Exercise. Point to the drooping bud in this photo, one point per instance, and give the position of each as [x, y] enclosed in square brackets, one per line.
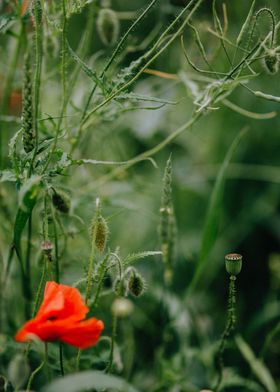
[136, 284]
[61, 201]
[233, 263]
[100, 231]
[122, 307]
[28, 134]
[108, 26]
[271, 61]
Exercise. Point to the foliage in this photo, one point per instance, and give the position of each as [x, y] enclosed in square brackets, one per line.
[139, 144]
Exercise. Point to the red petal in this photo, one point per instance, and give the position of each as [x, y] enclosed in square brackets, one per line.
[61, 301]
[83, 334]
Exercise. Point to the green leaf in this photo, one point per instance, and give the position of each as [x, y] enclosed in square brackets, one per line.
[93, 76]
[257, 366]
[88, 380]
[27, 200]
[210, 229]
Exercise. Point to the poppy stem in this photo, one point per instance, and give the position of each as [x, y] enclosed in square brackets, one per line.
[61, 359]
[38, 369]
[230, 324]
[114, 333]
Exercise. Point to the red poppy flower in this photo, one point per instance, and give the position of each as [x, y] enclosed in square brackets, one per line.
[62, 317]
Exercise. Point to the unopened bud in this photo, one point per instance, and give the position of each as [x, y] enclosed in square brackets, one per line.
[122, 307]
[233, 263]
[61, 201]
[108, 26]
[136, 284]
[271, 61]
[100, 231]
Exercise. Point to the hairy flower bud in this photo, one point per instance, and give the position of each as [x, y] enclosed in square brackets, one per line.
[271, 61]
[108, 26]
[136, 284]
[28, 134]
[233, 263]
[100, 230]
[61, 201]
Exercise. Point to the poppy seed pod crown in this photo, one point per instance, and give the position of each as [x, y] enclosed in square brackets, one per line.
[233, 263]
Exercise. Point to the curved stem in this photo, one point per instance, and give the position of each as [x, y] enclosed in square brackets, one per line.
[37, 370]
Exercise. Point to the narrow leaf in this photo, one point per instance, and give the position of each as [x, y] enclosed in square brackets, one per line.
[212, 219]
[85, 68]
[257, 366]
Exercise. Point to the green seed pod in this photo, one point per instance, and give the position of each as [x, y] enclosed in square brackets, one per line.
[136, 284]
[271, 61]
[108, 26]
[36, 11]
[100, 231]
[233, 263]
[120, 287]
[28, 134]
[61, 201]
[18, 371]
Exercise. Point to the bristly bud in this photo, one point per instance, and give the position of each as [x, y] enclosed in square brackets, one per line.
[99, 230]
[271, 61]
[122, 307]
[61, 201]
[108, 26]
[47, 248]
[28, 134]
[136, 284]
[233, 263]
[120, 287]
[36, 11]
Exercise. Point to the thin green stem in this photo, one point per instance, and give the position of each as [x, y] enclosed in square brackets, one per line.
[56, 249]
[230, 324]
[90, 267]
[37, 370]
[63, 82]
[9, 82]
[158, 51]
[113, 338]
[28, 265]
[37, 77]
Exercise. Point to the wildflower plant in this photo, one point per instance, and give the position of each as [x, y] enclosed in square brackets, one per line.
[107, 91]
